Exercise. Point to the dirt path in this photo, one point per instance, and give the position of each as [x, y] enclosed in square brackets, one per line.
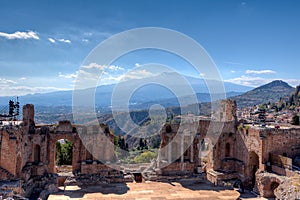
[146, 191]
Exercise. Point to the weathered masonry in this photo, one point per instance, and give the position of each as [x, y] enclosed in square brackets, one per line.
[252, 156]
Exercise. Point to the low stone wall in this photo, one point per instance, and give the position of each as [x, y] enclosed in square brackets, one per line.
[282, 171]
[232, 165]
[267, 183]
[178, 168]
[281, 161]
[218, 178]
[96, 168]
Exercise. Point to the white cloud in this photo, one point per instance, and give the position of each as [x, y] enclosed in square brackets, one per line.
[137, 74]
[132, 75]
[9, 90]
[51, 40]
[249, 81]
[232, 71]
[12, 88]
[137, 65]
[292, 82]
[64, 40]
[68, 76]
[94, 66]
[115, 68]
[258, 81]
[85, 40]
[23, 78]
[89, 75]
[267, 71]
[6, 81]
[20, 35]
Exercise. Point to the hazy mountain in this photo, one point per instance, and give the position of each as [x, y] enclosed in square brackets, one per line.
[149, 92]
[270, 92]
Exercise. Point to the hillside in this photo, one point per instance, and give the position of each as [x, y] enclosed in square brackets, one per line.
[270, 92]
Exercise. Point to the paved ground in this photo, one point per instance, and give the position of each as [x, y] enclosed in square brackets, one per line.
[147, 191]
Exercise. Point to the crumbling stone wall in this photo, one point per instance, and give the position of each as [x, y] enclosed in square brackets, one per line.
[179, 144]
[8, 152]
[28, 151]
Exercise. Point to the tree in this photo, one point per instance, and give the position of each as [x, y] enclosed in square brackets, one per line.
[67, 149]
[11, 108]
[59, 157]
[145, 157]
[64, 153]
[295, 120]
[141, 143]
[121, 143]
[116, 141]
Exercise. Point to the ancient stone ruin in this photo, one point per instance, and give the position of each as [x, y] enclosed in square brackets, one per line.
[252, 157]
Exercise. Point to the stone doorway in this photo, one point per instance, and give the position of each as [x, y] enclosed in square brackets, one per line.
[63, 156]
[253, 166]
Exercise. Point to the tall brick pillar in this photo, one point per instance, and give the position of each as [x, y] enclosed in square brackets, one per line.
[28, 114]
[227, 110]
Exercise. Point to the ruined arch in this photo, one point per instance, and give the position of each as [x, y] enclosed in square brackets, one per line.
[36, 154]
[253, 166]
[267, 185]
[273, 187]
[168, 128]
[74, 139]
[227, 150]
[174, 152]
[88, 154]
[187, 152]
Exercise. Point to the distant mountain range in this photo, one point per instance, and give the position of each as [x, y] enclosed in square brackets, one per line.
[146, 94]
[55, 106]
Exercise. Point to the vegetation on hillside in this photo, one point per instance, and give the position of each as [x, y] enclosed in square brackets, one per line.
[271, 92]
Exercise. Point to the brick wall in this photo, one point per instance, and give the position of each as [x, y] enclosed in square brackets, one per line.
[8, 153]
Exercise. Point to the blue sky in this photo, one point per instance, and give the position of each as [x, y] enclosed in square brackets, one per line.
[43, 43]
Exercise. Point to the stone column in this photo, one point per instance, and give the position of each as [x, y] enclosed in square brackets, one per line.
[28, 114]
[192, 149]
[158, 159]
[199, 152]
[182, 148]
[169, 150]
[199, 168]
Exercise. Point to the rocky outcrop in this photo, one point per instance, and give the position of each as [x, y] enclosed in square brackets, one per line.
[267, 184]
[289, 189]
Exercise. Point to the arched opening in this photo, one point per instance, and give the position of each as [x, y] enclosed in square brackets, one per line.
[253, 166]
[284, 154]
[273, 186]
[37, 154]
[186, 154]
[174, 152]
[89, 155]
[19, 166]
[227, 150]
[168, 128]
[63, 156]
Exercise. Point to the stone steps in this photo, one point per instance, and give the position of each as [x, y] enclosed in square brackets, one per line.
[8, 175]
